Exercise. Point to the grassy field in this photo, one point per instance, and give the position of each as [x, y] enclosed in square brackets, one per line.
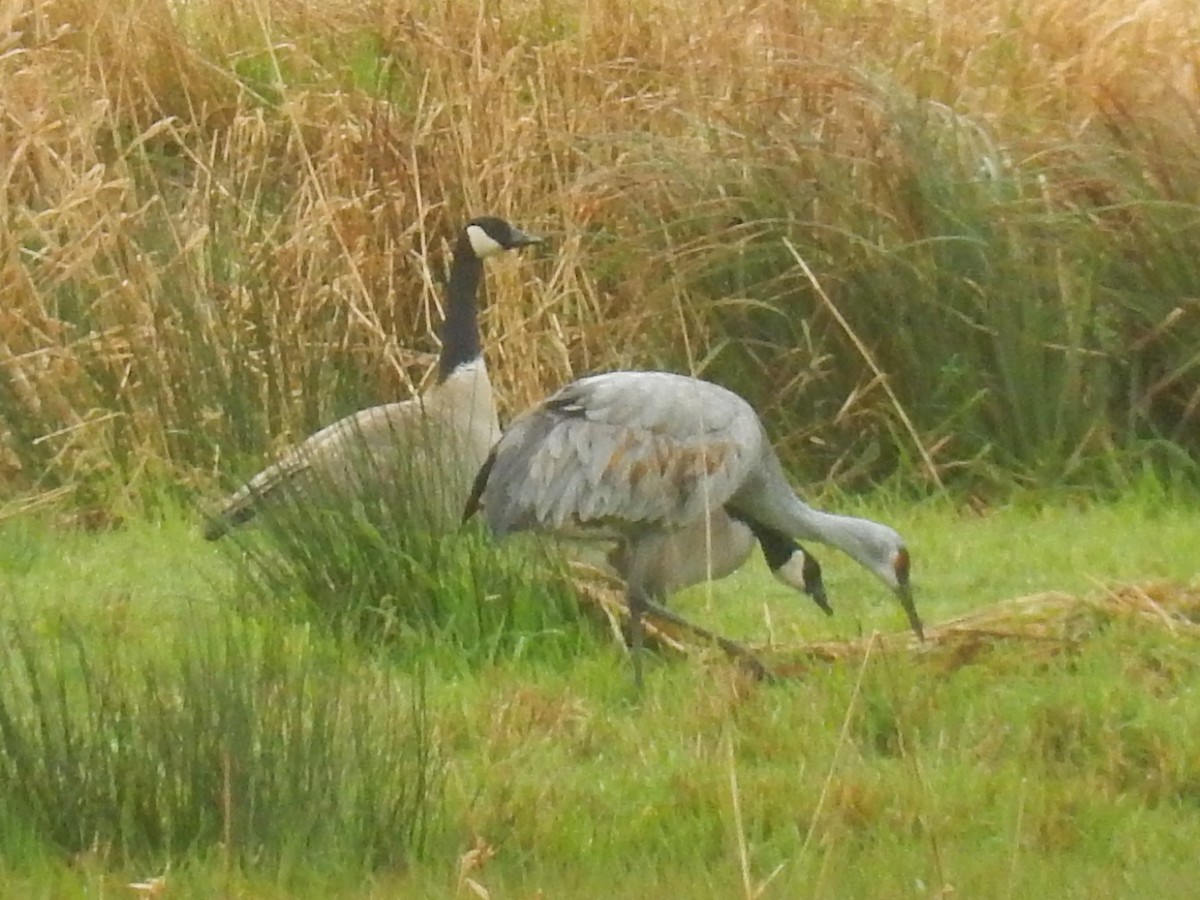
[946, 249]
[1016, 771]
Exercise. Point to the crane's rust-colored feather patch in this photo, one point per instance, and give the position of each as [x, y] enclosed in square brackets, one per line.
[715, 457]
[616, 459]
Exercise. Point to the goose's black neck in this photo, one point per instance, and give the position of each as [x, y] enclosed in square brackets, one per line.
[460, 330]
[777, 548]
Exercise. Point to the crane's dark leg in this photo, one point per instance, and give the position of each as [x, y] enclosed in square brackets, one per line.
[733, 648]
[639, 554]
[637, 606]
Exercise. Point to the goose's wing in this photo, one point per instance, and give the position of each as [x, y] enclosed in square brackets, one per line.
[329, 450]
[619, 450]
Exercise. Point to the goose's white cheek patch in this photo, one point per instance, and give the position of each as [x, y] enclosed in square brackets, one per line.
[482, 243]
[791, 572]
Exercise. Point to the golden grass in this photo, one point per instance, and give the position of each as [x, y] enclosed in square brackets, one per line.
[288, 172]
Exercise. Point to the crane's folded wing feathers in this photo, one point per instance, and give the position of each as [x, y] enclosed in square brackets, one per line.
[622, 448]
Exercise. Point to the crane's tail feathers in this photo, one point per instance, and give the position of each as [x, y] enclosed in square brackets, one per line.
[242, 506]
[475, 500]
[506, 487]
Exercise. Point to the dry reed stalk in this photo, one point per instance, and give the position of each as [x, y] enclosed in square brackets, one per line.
[234, 160]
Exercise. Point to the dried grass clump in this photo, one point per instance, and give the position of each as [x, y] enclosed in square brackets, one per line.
[1036, 627]
[222, 224]
[1033, 628]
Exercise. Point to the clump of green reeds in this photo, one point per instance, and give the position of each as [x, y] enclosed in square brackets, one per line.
[231, 739]
[938, 308]
[382, 557]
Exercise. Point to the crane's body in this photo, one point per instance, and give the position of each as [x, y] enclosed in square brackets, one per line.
[715, 547]
[432, 444]
[643, 456]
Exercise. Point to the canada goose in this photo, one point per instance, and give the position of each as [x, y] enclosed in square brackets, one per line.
[638, 455]
[718, 545]
[451, 426]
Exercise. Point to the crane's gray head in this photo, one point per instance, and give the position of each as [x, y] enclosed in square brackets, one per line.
[489, 235]
[880, 549]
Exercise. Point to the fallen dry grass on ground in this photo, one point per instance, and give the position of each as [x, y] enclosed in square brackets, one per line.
[1040, 626]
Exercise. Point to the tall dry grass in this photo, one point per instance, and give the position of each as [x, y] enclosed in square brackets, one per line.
[224, 224]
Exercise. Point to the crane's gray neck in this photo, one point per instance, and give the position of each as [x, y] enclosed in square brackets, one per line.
[777, 507]
[460, 330]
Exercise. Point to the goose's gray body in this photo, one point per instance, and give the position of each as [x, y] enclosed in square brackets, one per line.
[433, 443]
[643, 457]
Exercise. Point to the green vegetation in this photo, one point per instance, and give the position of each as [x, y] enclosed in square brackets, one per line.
[948, 249]
[154, 717]
[373, 571]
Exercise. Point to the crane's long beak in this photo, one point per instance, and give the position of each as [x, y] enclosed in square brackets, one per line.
[900, 567]
[904, 592]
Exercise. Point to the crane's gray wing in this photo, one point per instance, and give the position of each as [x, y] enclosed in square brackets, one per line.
[618, 450]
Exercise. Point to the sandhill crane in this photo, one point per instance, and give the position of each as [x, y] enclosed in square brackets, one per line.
[638, 455]
[436, 441]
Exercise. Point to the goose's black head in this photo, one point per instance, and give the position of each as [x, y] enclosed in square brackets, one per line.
[489, 235]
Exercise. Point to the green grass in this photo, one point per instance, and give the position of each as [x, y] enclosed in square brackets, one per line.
[1021, 774]
[143, 718]
[377, 571]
